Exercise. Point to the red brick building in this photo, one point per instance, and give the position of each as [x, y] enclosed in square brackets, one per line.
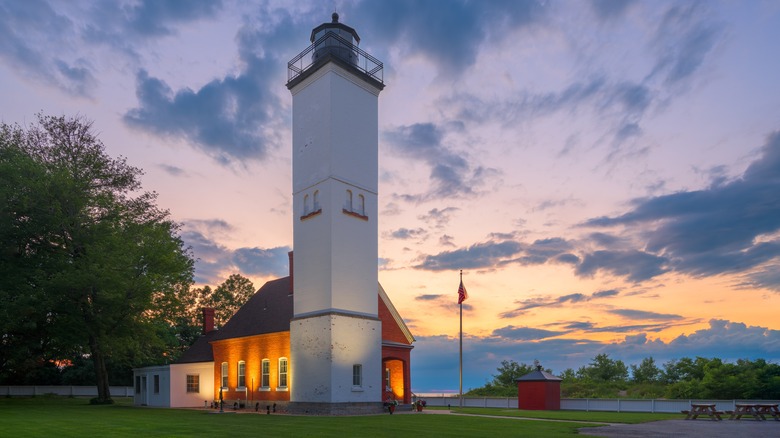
[251, 353]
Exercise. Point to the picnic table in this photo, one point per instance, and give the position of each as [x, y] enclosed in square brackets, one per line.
[756, 410]
[707, 409]
[770, 409]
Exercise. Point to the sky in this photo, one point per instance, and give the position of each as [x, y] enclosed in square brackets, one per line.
[606, 173]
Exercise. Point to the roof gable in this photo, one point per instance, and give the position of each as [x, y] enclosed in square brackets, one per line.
[268, 311]
[393, 327]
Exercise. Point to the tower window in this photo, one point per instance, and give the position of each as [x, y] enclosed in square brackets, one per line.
[311, 205]
[357, 208]
[348, 205]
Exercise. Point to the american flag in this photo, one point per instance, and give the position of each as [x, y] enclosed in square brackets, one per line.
[462, 294]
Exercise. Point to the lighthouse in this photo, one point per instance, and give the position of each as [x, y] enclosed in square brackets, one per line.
[335, 332]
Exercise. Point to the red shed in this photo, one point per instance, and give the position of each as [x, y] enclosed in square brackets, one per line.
[539, 390]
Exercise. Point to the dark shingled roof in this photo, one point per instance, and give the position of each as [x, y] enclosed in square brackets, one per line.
[538, 376]
[268, 311]
[200, 351]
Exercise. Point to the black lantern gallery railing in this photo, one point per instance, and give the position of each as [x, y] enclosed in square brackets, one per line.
[334, 45]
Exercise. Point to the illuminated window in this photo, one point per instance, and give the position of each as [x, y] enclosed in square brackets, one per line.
[357, 375]
[156, 384]
[282, 373]
[387, 379]
[193, 383]
[361, 207]
[224, 375]
[241, 374]
[265, 377]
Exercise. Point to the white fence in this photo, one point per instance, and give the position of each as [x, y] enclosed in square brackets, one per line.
[593, 404]
[70, 391]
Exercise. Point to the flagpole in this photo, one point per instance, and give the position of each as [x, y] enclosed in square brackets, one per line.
[460, 387]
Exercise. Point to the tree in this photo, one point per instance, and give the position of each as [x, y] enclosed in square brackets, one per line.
[87, 255]
[646, 372]
[228, 297]
[604, 369]
[504, 384]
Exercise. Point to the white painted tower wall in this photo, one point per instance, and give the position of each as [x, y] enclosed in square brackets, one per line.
[335, 323]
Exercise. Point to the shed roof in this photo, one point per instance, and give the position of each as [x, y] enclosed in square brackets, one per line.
[538, 376]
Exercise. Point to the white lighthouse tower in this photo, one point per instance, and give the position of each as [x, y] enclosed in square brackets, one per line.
[335, 333]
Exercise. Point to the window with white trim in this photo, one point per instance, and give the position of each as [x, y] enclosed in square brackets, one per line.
[241, 374]
[282, 373]
[265, 374]
[357, 375]
[193, 382]
[224, 375]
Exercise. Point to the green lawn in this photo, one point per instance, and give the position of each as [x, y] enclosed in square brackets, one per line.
[65, 417]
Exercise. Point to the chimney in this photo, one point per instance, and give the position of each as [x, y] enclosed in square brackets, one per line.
[208, 319]
[290, 255]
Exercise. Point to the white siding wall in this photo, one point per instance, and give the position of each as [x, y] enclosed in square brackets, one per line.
[179, 396]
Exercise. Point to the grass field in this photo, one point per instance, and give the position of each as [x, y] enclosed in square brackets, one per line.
[74, 417]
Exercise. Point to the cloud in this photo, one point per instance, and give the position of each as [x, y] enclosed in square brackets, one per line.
[683, 39]
[606, 293]
[406, 233]
[38, 41]
[610, 9]
[451, 175]
[635, 266]
[154, 17]
[482, 255]
[642, 314]
[172, 170]
[214, 262]
[524, 333]
[550, 301]
[429, 297]
[232, 119]
[729, 227]
[438, 218]
[446, 240]
[454, 38]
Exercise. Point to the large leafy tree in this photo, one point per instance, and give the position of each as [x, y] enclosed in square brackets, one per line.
[89, 262]
[228, 297]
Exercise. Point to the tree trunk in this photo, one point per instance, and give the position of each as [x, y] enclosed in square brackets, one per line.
[101, 374]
